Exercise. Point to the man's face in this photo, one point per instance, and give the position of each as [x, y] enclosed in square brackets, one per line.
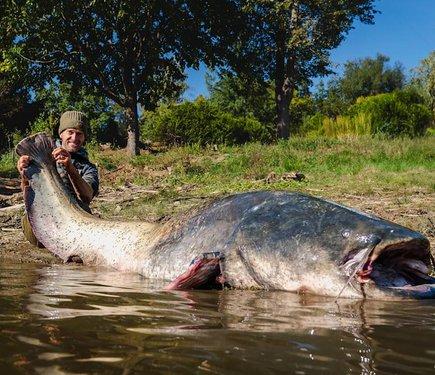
[72, 139]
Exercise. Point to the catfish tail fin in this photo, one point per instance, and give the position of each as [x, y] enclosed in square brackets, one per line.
[39, 147]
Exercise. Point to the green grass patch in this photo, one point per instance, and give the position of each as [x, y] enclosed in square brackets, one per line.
[354, 165]
[8, 165]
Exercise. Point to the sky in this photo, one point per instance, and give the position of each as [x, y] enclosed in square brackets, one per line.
[404, 30]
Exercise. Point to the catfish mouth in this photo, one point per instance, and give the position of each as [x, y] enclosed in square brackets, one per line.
[396, 266]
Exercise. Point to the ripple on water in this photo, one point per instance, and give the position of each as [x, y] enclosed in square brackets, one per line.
[64, 319]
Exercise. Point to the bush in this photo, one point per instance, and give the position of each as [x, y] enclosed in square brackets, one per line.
[300, 108]
[394, 114]
[200, 122]
[346, 125]
[401, 113]
[47, 125]
[312, 126]
[320, 125]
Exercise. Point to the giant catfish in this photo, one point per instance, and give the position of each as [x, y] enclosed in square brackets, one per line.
[263, 240]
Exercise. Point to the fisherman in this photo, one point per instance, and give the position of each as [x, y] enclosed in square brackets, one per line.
[79, 175]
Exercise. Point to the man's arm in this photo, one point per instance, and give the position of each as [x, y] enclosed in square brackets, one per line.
[83, 190]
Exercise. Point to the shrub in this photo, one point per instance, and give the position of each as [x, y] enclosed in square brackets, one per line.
[200, 122]
[394, 114]
[47, 125]
[312, 125]
[360, 124]
[300, 108]
[401, 113]
[8, 162]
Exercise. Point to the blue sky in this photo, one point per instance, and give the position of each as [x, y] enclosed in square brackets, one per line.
[403, 31]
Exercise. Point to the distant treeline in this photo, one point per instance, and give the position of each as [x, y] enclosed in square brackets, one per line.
[370, 97]
[135, 53]
[123, 62]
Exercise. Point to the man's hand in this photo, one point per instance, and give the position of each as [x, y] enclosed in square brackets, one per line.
[22, 163]
[81, 187]
[62, 157]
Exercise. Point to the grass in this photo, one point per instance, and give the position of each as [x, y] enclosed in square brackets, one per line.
[8, 162]
[356, 165]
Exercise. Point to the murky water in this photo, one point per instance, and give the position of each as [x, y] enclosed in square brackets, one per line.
[65, 319]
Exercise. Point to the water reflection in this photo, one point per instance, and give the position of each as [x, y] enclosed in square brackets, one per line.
[81, 320]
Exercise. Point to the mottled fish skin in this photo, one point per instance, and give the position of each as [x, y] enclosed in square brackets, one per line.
[67, 230]
[269, 240]
[285, 241]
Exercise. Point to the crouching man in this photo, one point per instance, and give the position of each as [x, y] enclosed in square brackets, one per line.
[79, 175]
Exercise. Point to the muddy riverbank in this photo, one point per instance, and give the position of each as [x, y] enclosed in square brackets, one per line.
[414, 210]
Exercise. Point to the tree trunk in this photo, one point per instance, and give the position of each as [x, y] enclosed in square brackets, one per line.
[283, 88]
[285, 72]
[283, 97]
[131, 118]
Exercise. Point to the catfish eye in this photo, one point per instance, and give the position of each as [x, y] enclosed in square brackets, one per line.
[345, 233]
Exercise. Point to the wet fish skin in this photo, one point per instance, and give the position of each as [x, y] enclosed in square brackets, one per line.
[287, 241]
[270, 240]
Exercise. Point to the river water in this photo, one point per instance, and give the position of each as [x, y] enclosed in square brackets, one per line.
[79, 320]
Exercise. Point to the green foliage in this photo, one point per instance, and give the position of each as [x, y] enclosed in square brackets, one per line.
[241, 96]
[132, 52]
[101, 112]
[47, 125]
[367, 77]
[200, 122]
[8, 162]
[395, 114]
[289, 42]
[361, 77]
[16, 109]
[312, 126]
[423, 80]
[347, 125]
[341, 126]
[300, 108]
[248, 98]
[401, 113]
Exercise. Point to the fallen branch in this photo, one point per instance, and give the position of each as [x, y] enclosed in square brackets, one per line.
[10, 229]
[12, 208]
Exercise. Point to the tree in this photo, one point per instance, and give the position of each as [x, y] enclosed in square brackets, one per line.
[290, 40]
[241, 96]
[134, 52]
[200, 122]
[17, 109]
[101, 112]
[424, 80]
[365, 77]
[401, 112]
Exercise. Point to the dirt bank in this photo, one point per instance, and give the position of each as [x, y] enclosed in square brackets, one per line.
[414, 210]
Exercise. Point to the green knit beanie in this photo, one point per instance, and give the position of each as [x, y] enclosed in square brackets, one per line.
[74, 120]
